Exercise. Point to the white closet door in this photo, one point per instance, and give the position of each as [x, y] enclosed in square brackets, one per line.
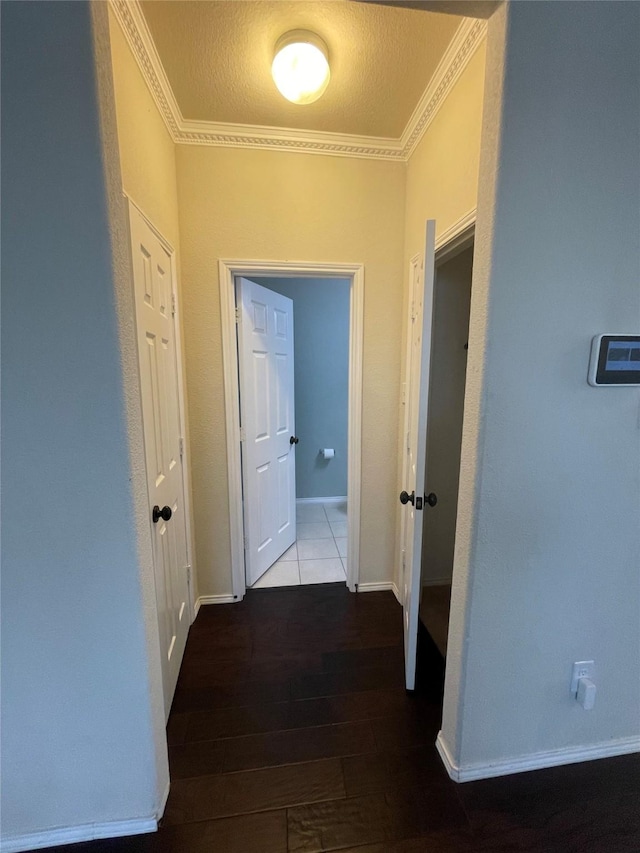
[154, 298]
[413, 496]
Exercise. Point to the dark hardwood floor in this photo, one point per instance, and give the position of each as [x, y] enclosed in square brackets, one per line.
[291, 731]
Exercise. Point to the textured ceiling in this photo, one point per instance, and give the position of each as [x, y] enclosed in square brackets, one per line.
[217, 56]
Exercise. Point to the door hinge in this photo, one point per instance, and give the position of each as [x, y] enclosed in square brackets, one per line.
[238, 315]
[189, 575]
[243, 435]
[181, 446]
[173, 304]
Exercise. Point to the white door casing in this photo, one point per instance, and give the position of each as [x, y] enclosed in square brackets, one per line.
[228, 271]
[157, 357]
[417, 396]
[265, 354]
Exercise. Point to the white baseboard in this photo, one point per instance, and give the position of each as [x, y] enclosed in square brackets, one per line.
[379, 586]
[333, 500]
[73, 834]
[535, 761]
[215, 599]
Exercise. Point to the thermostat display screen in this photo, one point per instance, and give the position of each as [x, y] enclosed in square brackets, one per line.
[615, 360]
[623, 355]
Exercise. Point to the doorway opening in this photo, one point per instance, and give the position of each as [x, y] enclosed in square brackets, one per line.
[339, 516]
[309, 405]
[449, 348]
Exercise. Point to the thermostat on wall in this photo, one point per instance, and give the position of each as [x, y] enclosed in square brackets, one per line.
[615, 360]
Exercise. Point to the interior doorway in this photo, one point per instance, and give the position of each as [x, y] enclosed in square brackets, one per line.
[449, 348]
[293, 366]
[229, 272]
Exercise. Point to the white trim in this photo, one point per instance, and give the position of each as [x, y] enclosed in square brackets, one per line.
[380, 586]
[461, 230]
[466, 40]
[73, 834]
[289, 139]
[534, 761]
[192, 574]
[354, 441]
[133, 24]
[182, 409]
[214, 599]
[227, 272]
[334, 500]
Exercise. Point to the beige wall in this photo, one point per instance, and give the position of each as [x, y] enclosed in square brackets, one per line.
[147, 163]
[442, 180]
[147, 152]
[216, 202]
[442, 174]
[284, 206]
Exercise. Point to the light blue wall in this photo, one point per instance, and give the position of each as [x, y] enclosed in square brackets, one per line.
[549, 550]
[321, 346]
[77, 744]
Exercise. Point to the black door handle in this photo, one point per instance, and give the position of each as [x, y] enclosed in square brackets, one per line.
[431, 499]
[164, 514]
[406, 498]
[294, 439]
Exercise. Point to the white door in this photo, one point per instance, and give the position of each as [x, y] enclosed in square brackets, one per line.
[155, 301]
[265, 353]
[416, 400]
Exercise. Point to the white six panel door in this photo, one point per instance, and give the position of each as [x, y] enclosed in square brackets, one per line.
[265, 348]
[154, 297]
[417, 383]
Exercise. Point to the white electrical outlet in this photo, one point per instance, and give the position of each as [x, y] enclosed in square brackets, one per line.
[581, 669]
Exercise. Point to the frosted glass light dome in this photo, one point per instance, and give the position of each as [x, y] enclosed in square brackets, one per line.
[300, 67]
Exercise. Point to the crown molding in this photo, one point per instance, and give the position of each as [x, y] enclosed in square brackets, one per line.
[288, 139]
[134, 26]
[467, 39]
[464, 44]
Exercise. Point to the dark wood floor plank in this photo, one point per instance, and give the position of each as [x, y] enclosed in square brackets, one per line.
[302, 713]
[195, 759]
[377, 818]
[177, 728]
[291, 730]
[334, 683]
[265, 832]
[354, 659]
[413, 727]
[388, 771]
[236, 695]
[255, 790]
[291, 747]
[445, 841]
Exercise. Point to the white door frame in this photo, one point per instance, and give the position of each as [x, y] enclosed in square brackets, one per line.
[186, 470]
[457, 237]
[228, 270]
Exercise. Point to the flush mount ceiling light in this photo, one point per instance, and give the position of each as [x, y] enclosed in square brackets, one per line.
[300, 66]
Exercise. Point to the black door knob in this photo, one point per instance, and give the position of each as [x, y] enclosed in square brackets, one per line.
[406, 498]
[293, 440]
[431, 499]
[164, 513]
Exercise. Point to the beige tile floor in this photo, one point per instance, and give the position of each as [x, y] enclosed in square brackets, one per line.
[319, 555]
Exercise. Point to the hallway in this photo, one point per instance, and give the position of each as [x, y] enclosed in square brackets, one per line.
[291, 731]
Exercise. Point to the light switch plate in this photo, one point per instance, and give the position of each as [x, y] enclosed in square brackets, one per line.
[581, 669]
